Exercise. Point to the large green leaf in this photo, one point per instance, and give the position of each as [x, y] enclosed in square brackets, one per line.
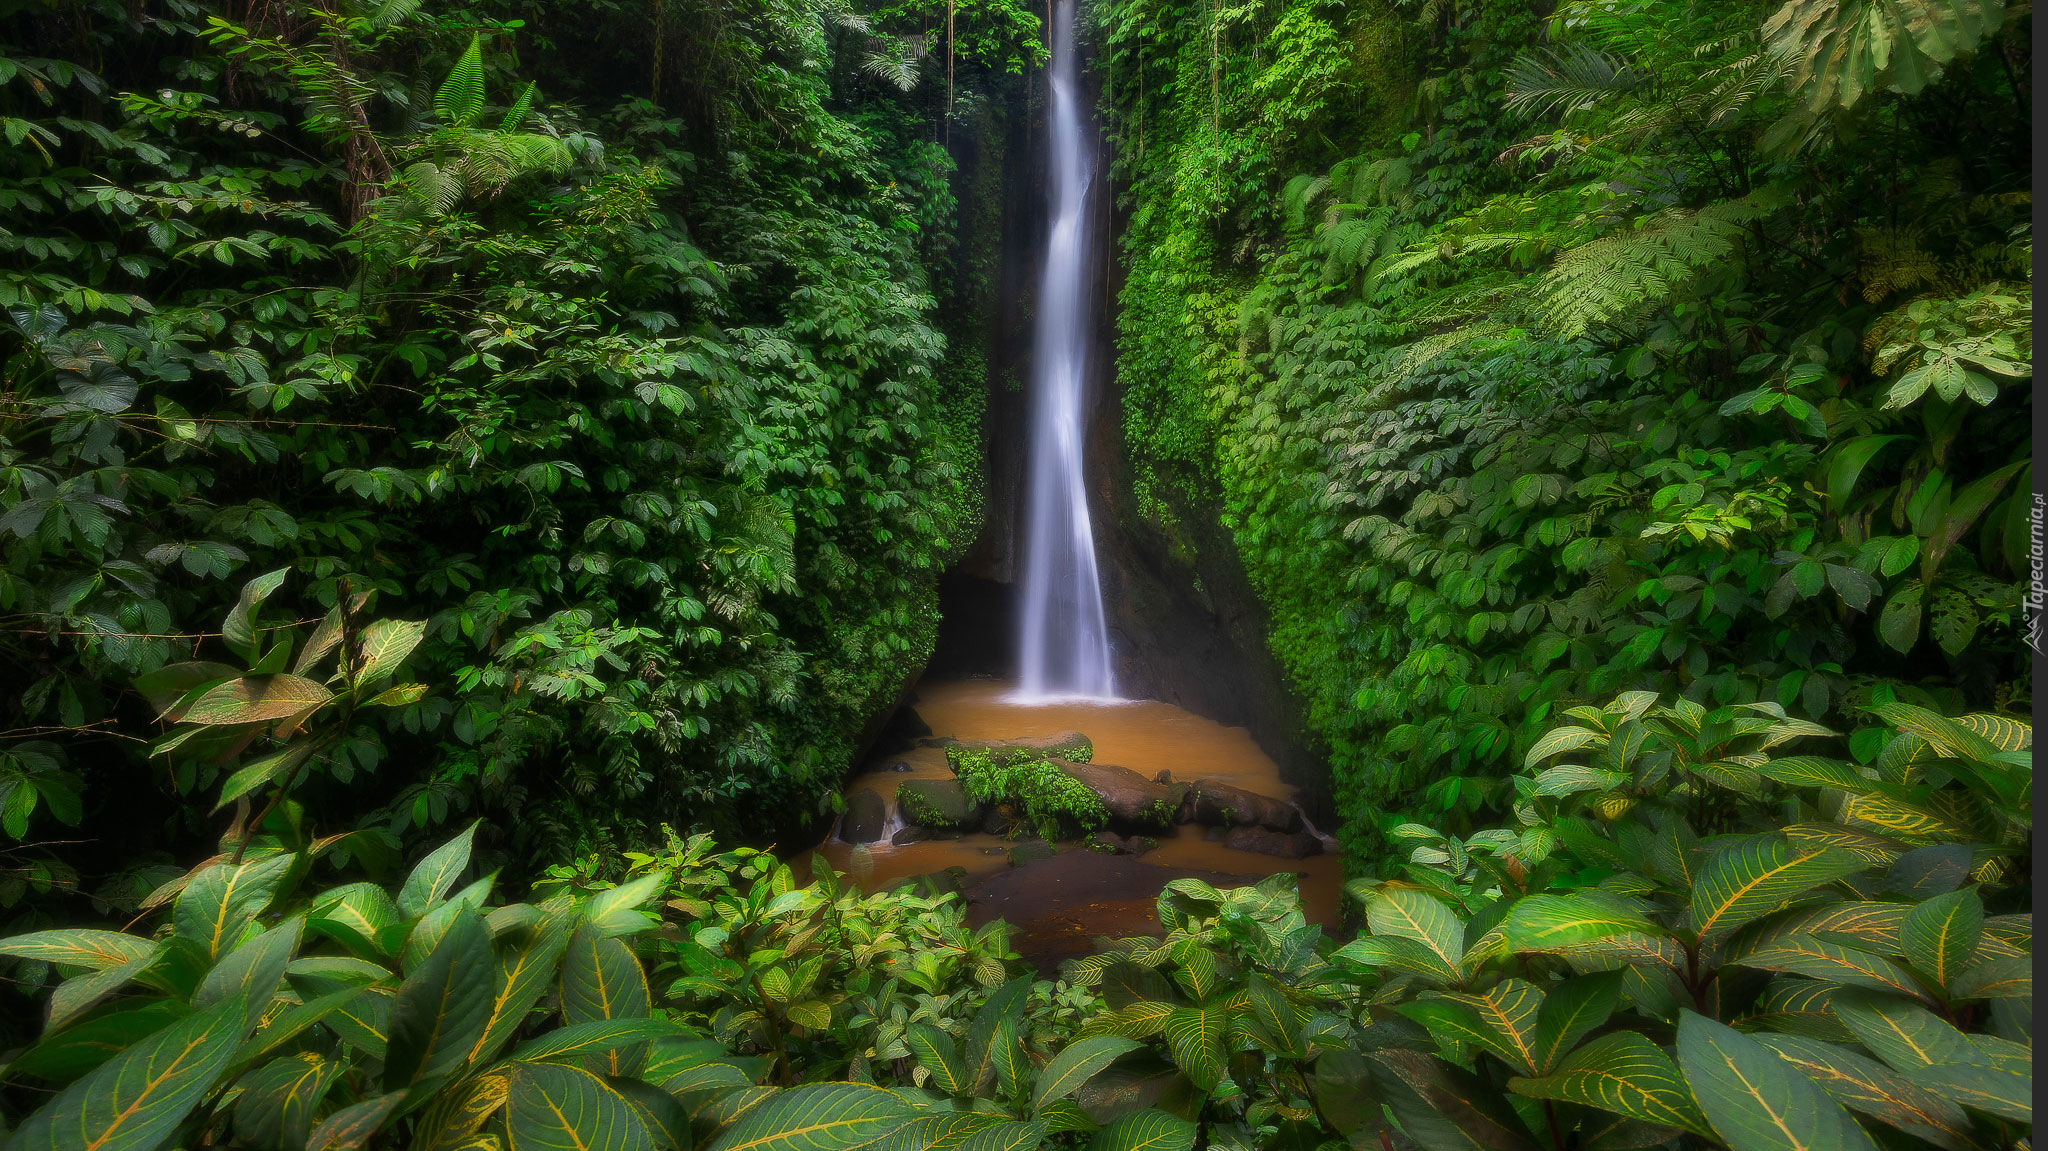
[275, 1108]
[222, 899]
[820, 1117]
[1624, 1073]
[1566, 922]
[1444, 1108]
[1073, 1066]
[523, 971]
[571, 1043]
[442, 1007]
[436, 874]
[1146, 1130]
[460, 99]
[1411, 913]
[79, 947]
[1507, 1011]
[1998, 1091]
[1870, 1088]
[601, 979]
[940, 1132]
[557, 1108]
[383, 646]
[1406, 955]
[252, 971]
[1940, 935]
[135, 1100]
[1762, 875]
[936, 1054]
[357, 915]
[99, 1035]
[2009, 977]
[1570, 1012]
[1806, 955]
[79, 994]
[1194, 1035]
[1753, 1101]
[459, 1111]
[353, 1126]
[257, 699]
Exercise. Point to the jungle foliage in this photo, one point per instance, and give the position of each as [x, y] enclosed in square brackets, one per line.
[1703, 928]
[1535, 353]
[586, 358]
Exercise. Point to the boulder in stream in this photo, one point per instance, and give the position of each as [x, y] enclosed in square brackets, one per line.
[1031, 849]
[1132, 799]
[1068, 745]
[1220, 804]
[936, 803]
[867, 815]
[1282, 844]
[1110, 843]
[910, 835]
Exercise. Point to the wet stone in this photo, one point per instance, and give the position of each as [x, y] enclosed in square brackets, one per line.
[1280, 844]
[1031, 849]
[867, 815]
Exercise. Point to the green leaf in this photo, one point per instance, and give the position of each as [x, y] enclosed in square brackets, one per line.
[1905, 1035]
[1444, 1108]
[257, 699]
[263, 772]
[1956, 520]
[63, 1055]
[460, 1110]
[81, 993]
[1626, 1074]
[1761, 875]
[571, 1043]
[523, 971]
[238, 631]
[135, 1100]
[1940, 935]
[1194, 1036]
[1374, 951]
[1507, 1014]
[601, 979]
[1848, 463]
[2007, 977]
[1870, 1088]
[1076, 1064]
[435, 874]
[78, 947]
[460, 98]
[1995, 1091]
[820, 1117]
[1561, 922]
[252, 971]
[935, 1053]
[275, 1108]
[442, 1007]
[357, 914]
[352, 1126]
[557, 1108]
[1753, 1103]
[382, 647]
[219, 903]
[1570, 1012]
[940, 1132]
[1810, 956]
[1147, 1130]
[1410, 913]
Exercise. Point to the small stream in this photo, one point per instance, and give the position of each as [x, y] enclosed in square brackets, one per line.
[1058, 905]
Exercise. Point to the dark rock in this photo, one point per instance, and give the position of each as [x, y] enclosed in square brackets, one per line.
[1282, 844]
[867, 814]
[1029, 850]
[899, 766]
[1132, 800]
[1140, 844]
[936, 803]
[1068, 745]
[903, 729]
[911, 835]
[1108, 843]
[1164, 776]
[995, 821]
[1219, 804]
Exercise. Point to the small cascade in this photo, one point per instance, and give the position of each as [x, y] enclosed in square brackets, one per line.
[1065, 637]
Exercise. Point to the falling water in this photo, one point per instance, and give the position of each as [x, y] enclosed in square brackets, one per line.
[1065, 641]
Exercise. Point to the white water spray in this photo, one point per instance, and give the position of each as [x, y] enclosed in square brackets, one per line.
[1065, 640]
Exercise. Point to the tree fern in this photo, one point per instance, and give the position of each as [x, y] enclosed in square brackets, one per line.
[1633, 272]
[1567, 79]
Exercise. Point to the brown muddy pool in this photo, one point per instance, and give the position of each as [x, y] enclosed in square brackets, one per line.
[1057, 906]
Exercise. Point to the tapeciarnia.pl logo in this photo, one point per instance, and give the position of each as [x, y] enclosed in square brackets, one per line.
[2037, 584]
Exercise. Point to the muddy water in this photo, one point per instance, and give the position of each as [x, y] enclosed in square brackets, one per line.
[1058, 905]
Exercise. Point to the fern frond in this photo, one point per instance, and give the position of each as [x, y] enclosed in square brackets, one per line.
[1634, 272]
[1838, 51]
[1568, 79]
[1296, 198]
[897, 64]
[461, 96]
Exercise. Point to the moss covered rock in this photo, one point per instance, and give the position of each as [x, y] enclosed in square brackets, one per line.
[867, 814]
[1071, 746]
[937, 803]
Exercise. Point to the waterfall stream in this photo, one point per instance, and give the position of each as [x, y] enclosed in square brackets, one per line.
[1065, 639]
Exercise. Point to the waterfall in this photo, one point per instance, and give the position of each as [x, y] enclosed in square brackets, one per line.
[1065, 640]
